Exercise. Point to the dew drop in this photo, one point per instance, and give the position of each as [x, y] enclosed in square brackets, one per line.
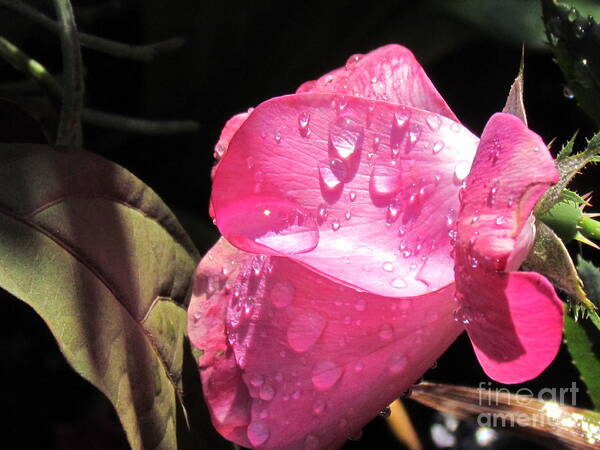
[266, 392]
[386, 332]
[325, 375]
[348, 215]
[397, 363]
[438, 146]
[463, 314]
[318, 407]
[360, 305]
[282, 294]
[434, 122]
[500, 220]
[277, 136]
[303, 124]
[573, 15]
[385, 182]
[257, 222]
[335, 225]
[455, 127]
[385, 412]
[392, 212]
[332, 175]
[461, 170]
[305, 330]
[256, 380]
[352, 196]
[311, 443]
[388, 266]
[568, 92]
[398, 132]
[353, 60]
[345, 138]
[257, 433]
[398, 283]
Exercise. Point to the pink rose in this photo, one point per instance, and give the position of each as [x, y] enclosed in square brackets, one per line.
[365, 219]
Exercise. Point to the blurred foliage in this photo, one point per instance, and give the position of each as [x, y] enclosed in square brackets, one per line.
[575, 42]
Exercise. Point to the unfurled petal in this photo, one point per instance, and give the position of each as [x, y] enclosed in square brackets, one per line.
[513, 319]
[364, 192]
[390, 74]
[315, 360]
[511, 170]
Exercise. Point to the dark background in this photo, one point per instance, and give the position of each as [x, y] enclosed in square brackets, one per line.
[238, 54]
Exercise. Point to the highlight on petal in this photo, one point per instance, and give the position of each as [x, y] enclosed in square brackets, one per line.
[362, 191]
[390, 73]
[300, 349]
[514, 319]
[515, 324]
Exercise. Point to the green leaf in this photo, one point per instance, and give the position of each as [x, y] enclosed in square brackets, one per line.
[103, 261]
[550, 258]
[569, 196]
[568, 167]
[574, 41]
[567, 149]
[590, 276]
[581, 349]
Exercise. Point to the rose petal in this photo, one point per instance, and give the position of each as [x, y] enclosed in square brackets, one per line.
[228, 131]
[511, 170]
[206, 329]
[305, 349]
[514, 323]
[514, 319]
[362, 191]
[390, 73]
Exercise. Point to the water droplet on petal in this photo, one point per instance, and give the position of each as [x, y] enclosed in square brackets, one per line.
[388, 266]
[311, 443]
[345, 138]
[397, 363]
[332, 175]
[434, 122]
[303, 124]
[455, 127]
[256, 380]
[326, 374]
[257, 433]
[399, 131]
[335, 225]
[353, 60]
[282, 294]
[463, 314]
[438, 146]
[305, 330]
[266, 392]
[399, 283]
[277, 136]
[386, 332]
[385, 182]
[281, 225]
[360, 305]
[352, 196]
[500, 220]
[348, 215]
[319, 406]
[461, 170]
[393, 212]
